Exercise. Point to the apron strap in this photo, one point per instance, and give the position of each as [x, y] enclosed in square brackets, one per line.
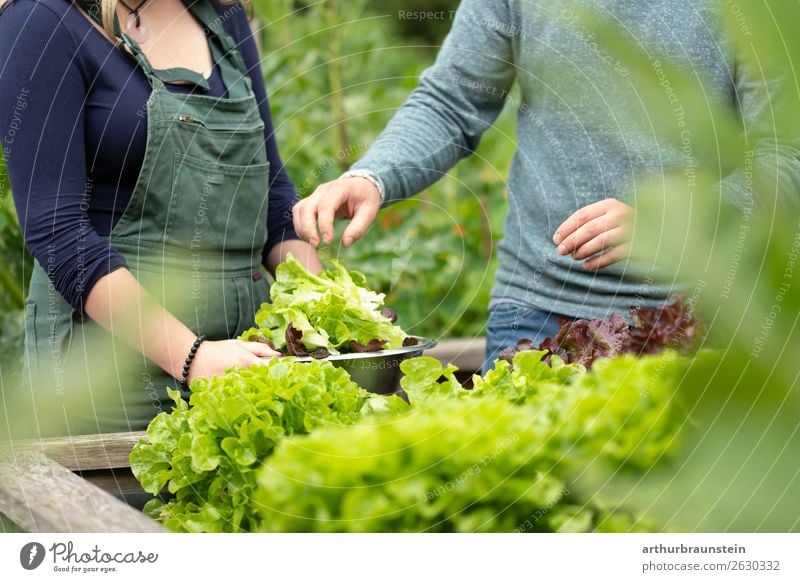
[224, 49]
[158, 77]
[141, 59]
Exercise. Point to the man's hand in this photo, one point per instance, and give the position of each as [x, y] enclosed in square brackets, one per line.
[355, 198]
[603, 227]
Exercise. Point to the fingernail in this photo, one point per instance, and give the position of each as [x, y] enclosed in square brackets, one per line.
[562, 250]
[347, 241]
[557, 239]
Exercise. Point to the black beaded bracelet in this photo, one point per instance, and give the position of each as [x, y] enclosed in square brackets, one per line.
[190, 358]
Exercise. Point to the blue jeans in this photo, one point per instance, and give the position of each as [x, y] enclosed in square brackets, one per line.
[510, 322]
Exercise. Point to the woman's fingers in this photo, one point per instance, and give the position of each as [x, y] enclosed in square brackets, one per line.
[250, 360]
[214, 357]
[258, 349]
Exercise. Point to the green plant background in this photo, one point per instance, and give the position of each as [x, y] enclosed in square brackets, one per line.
[337, 72]
[14, 271]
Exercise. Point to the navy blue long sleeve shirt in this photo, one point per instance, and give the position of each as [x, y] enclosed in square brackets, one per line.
[73, 125]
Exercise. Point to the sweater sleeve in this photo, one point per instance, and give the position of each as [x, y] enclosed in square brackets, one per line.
[767, 100]
[282, 193]
[42, 95]
[457, 100]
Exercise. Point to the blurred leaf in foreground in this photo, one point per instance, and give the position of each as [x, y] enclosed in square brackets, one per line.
[730, 227]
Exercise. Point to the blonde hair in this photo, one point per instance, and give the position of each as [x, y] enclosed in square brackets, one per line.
[107, 10]
[109, 7]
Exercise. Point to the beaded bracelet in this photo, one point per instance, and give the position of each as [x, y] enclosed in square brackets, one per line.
[190, 358]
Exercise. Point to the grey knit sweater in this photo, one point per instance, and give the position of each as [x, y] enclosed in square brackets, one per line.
[583, 131]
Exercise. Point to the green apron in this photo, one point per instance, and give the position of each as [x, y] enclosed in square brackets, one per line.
[193, 235]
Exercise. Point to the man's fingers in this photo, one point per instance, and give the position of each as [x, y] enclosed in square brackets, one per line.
[578, 219]
[584, 234]
[329, 204]
[615, 255]
[305, 220]
[314, 217]
[364, 214]
[353, 197]
[601, 242]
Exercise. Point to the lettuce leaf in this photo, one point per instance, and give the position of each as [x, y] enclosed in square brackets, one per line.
[329, 313]
[501, 457]
[207, 452]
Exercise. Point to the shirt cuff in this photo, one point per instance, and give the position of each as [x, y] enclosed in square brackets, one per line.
[367, 175]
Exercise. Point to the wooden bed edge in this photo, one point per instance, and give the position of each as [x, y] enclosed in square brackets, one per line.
[39, 495]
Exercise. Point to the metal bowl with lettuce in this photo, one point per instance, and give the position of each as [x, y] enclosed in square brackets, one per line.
[335, 316]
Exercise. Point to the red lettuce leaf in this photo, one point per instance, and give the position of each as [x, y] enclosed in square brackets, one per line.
[374, 345]
[389, 314]
[294, 345]
[674, 326]
[583, 341]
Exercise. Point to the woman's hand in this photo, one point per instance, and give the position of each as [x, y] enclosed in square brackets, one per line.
[603, 227]
[213, 358]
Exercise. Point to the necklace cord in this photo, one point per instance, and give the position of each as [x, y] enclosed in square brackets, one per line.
[135, 11]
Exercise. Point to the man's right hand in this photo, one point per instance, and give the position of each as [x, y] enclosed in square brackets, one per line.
[355, 198]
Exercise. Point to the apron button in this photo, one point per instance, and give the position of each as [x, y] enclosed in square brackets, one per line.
[257, 276]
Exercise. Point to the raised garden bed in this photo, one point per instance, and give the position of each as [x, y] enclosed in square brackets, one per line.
[84, 483]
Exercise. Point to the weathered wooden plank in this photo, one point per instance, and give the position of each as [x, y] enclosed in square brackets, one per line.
[41, 496]
[467, 354]
[86, 452]
[114, 481]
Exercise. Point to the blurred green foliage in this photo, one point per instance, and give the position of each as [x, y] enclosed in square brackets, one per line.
[424, 20]
[741, 257]
[337, 72]
[14, 270]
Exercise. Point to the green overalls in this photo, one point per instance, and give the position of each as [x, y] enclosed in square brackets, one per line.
[193, 235]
